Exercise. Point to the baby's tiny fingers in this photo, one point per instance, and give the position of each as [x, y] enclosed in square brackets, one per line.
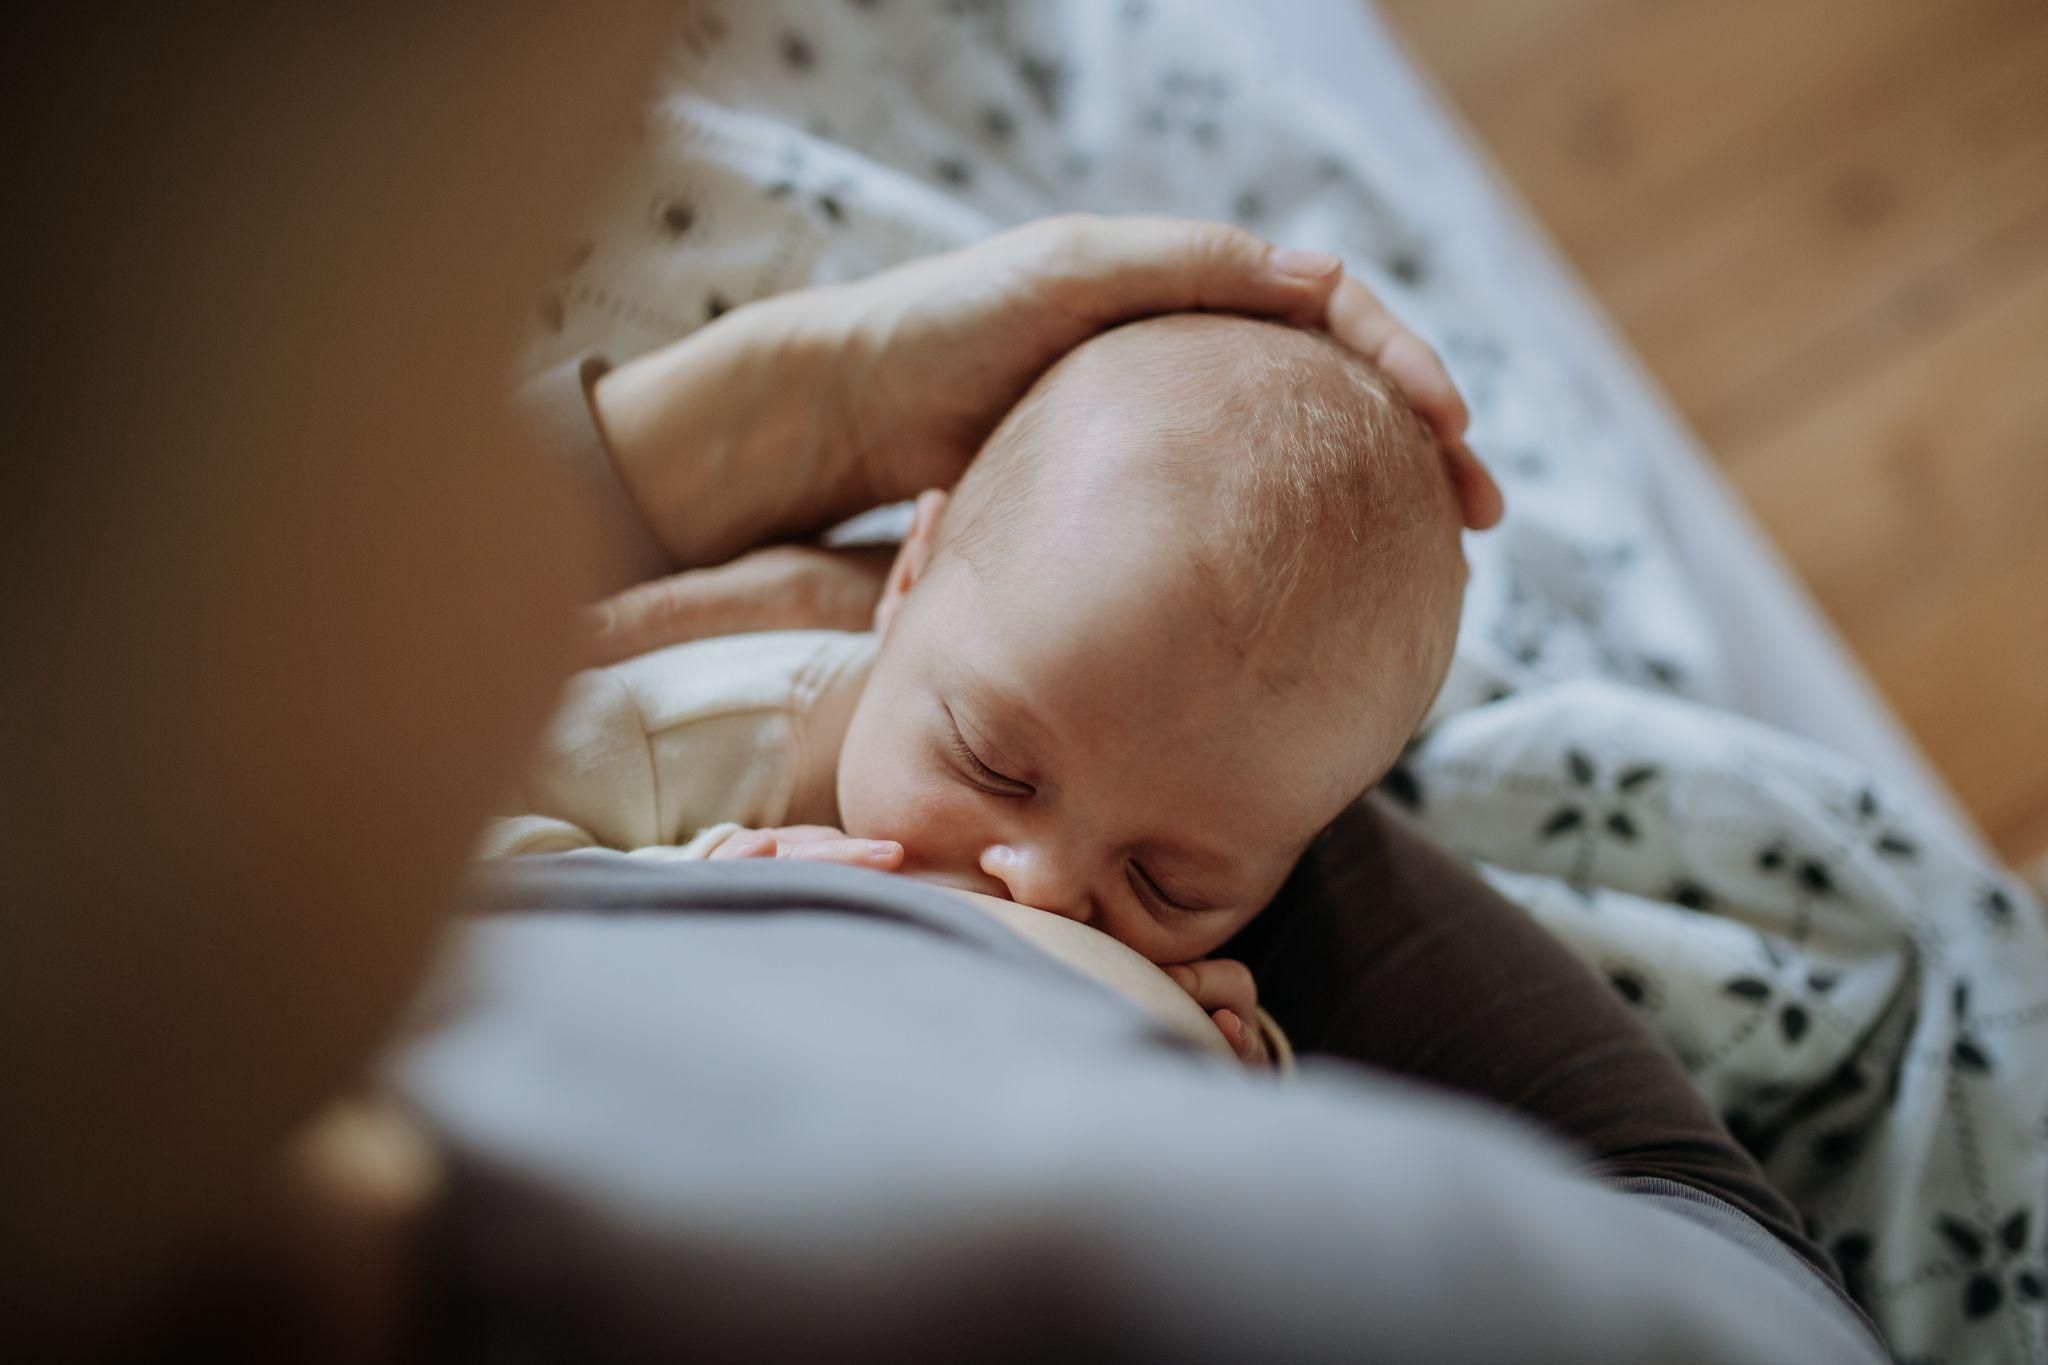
[790, 836]
[882, 854]
[1244, 1038]
[747, 843]
[1218, 983]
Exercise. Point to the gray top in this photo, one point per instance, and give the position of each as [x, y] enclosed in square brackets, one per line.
[781, 1112]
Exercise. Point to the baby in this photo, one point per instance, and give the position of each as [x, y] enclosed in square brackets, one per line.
[1191, 599]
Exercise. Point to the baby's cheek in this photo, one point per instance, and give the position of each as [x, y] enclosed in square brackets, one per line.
[866, 775]
[881, 797]
[866, 807]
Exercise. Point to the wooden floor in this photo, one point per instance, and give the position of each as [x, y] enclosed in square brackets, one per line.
[1824, 225]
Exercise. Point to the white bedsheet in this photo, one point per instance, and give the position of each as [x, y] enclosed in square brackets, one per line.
[1785, 664]
[1814, 934]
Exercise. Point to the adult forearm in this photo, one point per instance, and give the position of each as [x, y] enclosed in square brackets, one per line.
[719, 439]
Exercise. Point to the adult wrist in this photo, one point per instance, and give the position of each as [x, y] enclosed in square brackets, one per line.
[724, 441]
[559, 401]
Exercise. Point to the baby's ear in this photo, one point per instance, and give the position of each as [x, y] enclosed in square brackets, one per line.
[913, 557]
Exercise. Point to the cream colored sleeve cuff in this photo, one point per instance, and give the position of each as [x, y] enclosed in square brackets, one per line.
[522, 834]
[518, 835]
[703, 844]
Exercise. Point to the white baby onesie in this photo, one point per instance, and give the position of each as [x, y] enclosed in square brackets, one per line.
[667, 755]
[674, 750]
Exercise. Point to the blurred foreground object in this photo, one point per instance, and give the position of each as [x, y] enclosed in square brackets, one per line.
[269, 520]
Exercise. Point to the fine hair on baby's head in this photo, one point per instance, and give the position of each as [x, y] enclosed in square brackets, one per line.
[1313, 501]
[1196, 592]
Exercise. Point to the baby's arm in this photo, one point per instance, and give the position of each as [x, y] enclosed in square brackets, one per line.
[525, 834]
[518, 835]
[661, 748]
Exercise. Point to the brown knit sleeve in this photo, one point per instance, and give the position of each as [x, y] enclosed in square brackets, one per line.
[1386, 950]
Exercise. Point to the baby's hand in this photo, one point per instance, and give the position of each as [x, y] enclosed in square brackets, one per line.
[1224, 988]
[811, 844]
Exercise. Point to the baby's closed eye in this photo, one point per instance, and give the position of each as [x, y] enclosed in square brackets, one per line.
[984, 774]
[1162, 896]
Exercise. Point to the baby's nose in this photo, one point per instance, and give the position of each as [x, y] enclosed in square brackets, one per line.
[1031, 877]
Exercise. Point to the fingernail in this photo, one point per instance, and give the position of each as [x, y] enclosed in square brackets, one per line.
[883, 848]
[1303, 265]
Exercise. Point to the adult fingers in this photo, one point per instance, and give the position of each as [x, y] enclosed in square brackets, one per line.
[1419, 372]
[1479, 497]
[663, 611]
[1359, 320]
[778, 587]
[1104, 270]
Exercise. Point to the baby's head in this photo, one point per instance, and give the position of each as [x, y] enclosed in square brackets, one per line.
[1197, 591]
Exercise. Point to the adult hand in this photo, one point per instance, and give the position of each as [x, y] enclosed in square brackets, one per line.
[792, 412]
[1224, 987]
[939, 349]
[779, 587]
[1359, 320]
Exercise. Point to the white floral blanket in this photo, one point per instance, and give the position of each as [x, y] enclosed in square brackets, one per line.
[1865, 1001]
